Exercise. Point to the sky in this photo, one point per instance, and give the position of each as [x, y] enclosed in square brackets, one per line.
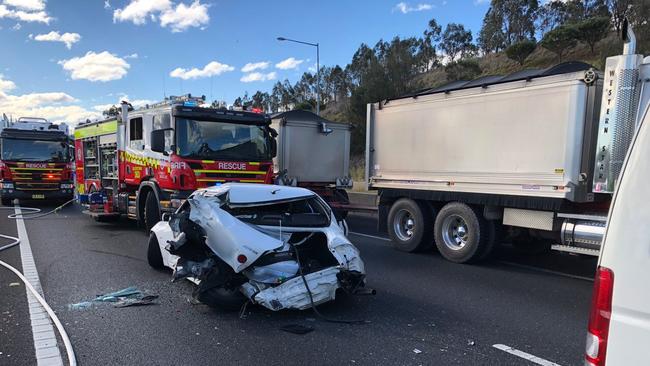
[67, 60]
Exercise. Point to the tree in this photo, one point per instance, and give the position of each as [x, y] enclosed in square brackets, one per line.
[112, 111]
[520, 51]
[517, 19]
[466, 69]
[560, 39]
[237, 102]
[428, 44]
[592, 30]
[457, 41]
[491, 38]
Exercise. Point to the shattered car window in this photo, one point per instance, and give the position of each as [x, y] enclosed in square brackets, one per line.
[310, 212]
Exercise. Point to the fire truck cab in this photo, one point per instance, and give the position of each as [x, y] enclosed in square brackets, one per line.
[145, 162]
[35, 161]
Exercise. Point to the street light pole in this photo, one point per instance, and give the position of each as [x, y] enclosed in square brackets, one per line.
[317, 68]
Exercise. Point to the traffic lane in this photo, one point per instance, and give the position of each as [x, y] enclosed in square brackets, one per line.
[87, 258]
[16, 343]
[553, 261]
[451, 314]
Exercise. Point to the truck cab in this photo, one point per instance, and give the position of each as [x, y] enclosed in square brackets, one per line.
[35, 161]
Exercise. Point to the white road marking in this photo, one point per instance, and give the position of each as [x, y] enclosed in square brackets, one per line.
[370, 236]
[47, 351]
[524, 355]
[538, 269]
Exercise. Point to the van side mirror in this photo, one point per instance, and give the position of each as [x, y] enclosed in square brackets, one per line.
[274, 147]
[158, 139]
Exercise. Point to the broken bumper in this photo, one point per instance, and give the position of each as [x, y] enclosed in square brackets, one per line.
[293, 294]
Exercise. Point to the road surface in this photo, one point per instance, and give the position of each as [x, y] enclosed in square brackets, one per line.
[427, 311]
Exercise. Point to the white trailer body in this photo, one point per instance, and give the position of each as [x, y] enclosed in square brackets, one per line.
[536, 153]
[521, 138]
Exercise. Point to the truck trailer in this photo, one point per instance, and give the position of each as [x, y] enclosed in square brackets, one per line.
[314, 153]
[35, 161]
[534, 155]
[147, 161]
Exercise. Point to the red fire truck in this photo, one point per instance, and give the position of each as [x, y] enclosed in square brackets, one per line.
[146, 161]
[35, 161]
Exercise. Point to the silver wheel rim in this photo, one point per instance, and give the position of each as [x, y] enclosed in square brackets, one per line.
[404, 225]
[455, 232]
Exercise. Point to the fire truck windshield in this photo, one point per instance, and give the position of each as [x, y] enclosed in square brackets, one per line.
[222, 140]
[34, 150]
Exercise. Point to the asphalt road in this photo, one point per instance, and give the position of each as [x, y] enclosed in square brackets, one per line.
[427, 311]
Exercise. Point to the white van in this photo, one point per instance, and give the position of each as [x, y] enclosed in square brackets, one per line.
[619, 322]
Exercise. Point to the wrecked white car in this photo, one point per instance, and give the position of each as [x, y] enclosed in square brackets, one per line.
[277, 246]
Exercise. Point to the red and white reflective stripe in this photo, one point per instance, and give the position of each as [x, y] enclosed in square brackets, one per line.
[599, 317]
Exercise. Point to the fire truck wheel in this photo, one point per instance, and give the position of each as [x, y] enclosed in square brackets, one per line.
[6, 202]
[151, 211]
[154, 257]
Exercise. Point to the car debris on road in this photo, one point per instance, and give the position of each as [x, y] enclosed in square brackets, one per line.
[277, 246]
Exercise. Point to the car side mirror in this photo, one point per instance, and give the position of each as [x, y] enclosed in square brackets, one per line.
[158, 140]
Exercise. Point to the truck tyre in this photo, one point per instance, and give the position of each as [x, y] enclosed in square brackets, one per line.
[410, 226]
[462, 235]
[154, 257]
[7, 201]
[341, 195]
[151, 211]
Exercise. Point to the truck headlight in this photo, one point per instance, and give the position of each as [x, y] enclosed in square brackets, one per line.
[67, 185]
[7, 185]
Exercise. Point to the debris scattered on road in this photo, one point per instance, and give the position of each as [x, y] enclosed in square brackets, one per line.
[127, 297]
[416, 351]
[297, 329]
[13, 284]
[470, 343]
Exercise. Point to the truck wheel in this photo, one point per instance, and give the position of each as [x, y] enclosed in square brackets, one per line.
[462, 234]
[151, 211]
[154, 257]
[7, 201]
[341, 195]
[409, 226]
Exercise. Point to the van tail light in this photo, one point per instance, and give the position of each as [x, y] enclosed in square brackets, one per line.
[599, 317]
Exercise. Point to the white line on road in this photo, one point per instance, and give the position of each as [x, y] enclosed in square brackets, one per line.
[47, 351]
[538, 269]
[524, 355]
[370, 236]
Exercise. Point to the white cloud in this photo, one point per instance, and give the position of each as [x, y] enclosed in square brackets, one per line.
[138, 11]
[93, 66]
[290, 63]
[133, 56]
[214, 68]
[54, 106]
[258, 76]
[6, 85]
[252, 66]
[31, 5]
[178, 17]
[68, 38]
[17, 27]
[183, 17]
[406, 8]
[107, 4]
[136, 103]
[479, 2]
[26, 16]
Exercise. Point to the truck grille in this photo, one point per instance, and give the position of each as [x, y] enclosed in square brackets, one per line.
[36, 179]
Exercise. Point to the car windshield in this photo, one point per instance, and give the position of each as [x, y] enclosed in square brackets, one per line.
[34, 150]
[221, 140]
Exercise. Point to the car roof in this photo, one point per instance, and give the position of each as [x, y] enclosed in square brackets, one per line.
[250, 193]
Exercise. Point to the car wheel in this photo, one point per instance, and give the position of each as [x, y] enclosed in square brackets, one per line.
[151, 211]
[219, 292]
[154, 256]
[462, 235]
[410, 226]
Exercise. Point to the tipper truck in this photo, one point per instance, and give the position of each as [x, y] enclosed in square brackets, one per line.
[533, 156]
[35, 161]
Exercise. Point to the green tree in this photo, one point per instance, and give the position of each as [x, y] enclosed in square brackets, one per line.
[492, 38]
[517, 19]
[464, 69]
[457, 41]
[560, 39]
[592, 30]
[520, 51]
[113, 111]
[428, 45]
